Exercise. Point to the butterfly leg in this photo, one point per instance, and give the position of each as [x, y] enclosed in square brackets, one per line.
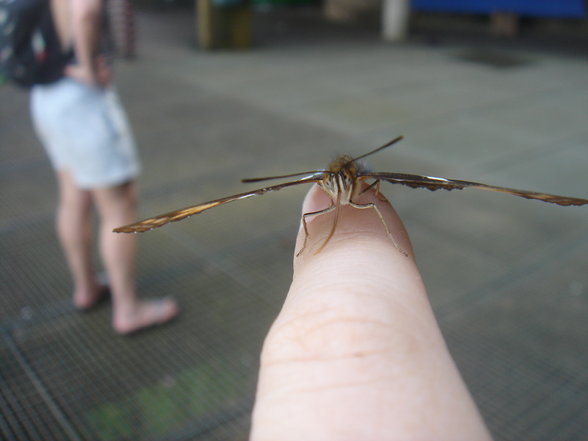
[314, 213]
[375, 185]
[377, 210]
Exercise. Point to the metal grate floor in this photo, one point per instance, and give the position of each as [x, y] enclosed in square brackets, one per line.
[69, 373]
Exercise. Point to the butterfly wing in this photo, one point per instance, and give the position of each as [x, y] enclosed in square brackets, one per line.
[432, 183]
[183, 213]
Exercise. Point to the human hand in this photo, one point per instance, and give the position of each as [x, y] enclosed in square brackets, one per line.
[94, 76]
[356, 353]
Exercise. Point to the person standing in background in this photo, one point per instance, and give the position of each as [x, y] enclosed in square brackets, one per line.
[84, 130]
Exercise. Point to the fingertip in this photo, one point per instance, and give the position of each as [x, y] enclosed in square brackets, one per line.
[368, 252]
[316, 199]
[344, 226]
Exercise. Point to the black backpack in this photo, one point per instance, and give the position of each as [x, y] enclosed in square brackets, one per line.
[30, 51]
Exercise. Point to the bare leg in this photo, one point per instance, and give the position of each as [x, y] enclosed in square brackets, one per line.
[74, 229]
[117, 206]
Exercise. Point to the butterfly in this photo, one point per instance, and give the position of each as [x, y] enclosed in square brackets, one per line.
[344, 181]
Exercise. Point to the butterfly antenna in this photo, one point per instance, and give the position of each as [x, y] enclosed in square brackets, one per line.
[388, 144]
[310, 173]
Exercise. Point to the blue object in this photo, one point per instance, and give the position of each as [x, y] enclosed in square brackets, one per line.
[534, 8]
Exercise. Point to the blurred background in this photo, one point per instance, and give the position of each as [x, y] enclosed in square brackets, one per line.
[216, 91]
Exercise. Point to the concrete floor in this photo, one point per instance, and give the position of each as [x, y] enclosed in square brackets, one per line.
[507, 277]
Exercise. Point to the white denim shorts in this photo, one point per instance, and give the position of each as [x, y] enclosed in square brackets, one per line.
[86, 132]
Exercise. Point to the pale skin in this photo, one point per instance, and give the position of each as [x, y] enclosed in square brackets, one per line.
[356, 352]
[77, 22]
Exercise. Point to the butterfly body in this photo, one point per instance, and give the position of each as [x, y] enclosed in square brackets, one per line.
[341, 181]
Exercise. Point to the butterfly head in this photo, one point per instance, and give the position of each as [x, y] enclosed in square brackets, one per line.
[340, 178]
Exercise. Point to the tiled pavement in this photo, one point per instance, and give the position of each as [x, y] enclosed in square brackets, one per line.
[507, 277]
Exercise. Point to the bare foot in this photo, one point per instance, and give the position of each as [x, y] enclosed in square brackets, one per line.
[84, 300]
[145, 314]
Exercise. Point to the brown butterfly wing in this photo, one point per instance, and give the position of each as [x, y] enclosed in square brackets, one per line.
[183, 213]
[432, 183]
